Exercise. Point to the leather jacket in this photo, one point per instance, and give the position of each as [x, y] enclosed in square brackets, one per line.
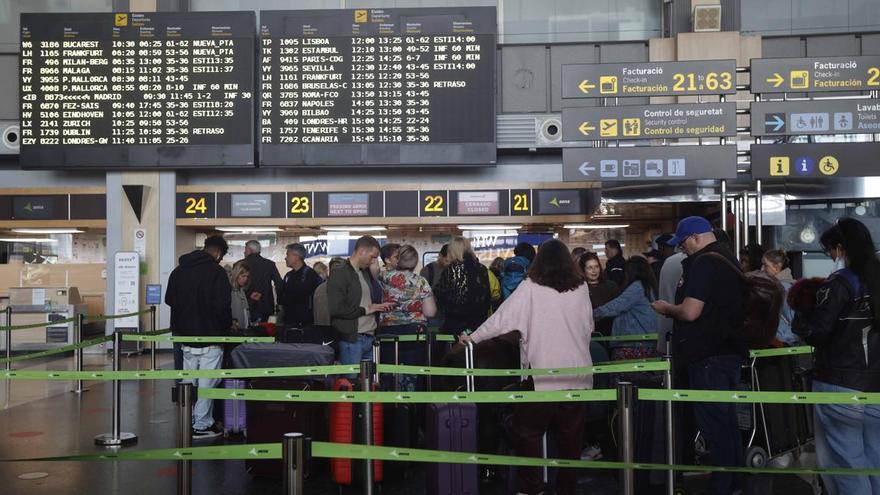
[841, 328]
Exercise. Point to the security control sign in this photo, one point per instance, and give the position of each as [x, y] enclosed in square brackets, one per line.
[704, 77]
[816, 160]
[649, 163]
[781, 75]
[649, 121]
[779, 118]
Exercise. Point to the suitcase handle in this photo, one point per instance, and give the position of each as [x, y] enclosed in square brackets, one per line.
[469, 364]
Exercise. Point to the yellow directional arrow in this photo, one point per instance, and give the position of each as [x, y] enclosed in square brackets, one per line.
[585, 86]
[585, 128]
[776, 80]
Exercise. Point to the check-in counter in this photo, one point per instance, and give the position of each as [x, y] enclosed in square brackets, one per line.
[31, 305]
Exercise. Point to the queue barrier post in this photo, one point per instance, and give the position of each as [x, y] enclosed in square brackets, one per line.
[8, 338]
[670, 430]
[183, 395]
[366, 379]
[116, 437]
[625, 403]
[295, 456]
[153, 342]
[78, 352]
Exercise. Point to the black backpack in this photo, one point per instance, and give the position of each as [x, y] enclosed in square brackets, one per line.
[762, 302]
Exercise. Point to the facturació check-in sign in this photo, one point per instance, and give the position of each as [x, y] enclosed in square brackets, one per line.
[703, 77]
[624, 122]
[784, 75]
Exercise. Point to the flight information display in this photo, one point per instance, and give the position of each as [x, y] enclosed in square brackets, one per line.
[380, 87]
[142, 90]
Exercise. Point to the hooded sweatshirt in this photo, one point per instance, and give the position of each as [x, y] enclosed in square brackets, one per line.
[199, 295]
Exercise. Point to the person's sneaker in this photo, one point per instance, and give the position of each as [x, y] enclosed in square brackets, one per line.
[213, 431]
[591, 453]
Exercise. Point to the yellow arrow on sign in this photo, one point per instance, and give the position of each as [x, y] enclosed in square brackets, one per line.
[776, 80]
[585, 128]
[585, 86]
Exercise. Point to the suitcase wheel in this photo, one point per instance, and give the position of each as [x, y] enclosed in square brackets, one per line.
[756, 457]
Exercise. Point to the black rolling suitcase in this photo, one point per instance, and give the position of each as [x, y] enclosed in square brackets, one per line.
[400, 420]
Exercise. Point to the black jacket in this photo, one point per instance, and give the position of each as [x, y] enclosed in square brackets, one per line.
[200, 297]
[463, 294]
[718, 329]
[842, 331]
[264, 273]
[614, 270]
[296, 296]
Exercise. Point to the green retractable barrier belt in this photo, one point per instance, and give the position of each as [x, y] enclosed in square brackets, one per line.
[626, 338]
[38, 325]
[389, 453]
[783, 351]
[60, 350]
[115, 317]
[759, 397]
[177, 374]
[140, 337]
[611, 367]
[409, 397]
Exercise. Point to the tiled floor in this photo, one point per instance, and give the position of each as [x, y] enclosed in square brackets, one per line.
[46, 419]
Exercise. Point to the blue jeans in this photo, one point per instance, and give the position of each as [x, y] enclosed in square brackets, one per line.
[717, 420]
[354, 352]
[203, 358]
[847, 436]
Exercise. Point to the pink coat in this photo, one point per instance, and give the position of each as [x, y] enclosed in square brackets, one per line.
[555, 329]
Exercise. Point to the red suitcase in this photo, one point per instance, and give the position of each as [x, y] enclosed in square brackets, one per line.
[346, 420]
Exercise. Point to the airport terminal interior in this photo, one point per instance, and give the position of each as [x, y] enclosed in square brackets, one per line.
[442, 247]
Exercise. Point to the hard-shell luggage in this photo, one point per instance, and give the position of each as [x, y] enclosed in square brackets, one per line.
[400, 419]
[234, 411]
[346, 426]
[453, 427]
[267, 421]
[281, 355]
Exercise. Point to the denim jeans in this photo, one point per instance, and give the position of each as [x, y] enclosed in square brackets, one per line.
[203, 358]
[354, 352]
[716, 420]
[847, 436]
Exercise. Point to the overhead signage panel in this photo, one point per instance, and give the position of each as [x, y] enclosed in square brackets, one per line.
[649, 121]
[137, 90]
[783, 75]
[703, 77]
[815, 160]
[649, 163]
[783, 118]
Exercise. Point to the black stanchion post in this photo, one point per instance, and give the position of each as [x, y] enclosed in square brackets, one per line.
[367, 386]
[152, 342]
[78, 352]
[625, 396]
[670, 431]
[8, 338]
[183, 394]
[295, 452]
[116, 437]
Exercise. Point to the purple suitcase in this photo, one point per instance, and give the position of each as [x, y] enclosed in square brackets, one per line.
[234, 417]
[453, 427]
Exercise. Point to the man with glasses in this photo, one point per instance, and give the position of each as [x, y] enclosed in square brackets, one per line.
[707, 346]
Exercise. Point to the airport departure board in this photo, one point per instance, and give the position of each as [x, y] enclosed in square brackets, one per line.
[137, 90]
[379, 87]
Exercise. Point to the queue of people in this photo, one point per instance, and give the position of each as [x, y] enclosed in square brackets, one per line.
[690, 289]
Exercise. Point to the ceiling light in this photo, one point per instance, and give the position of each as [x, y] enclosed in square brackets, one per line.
[489, 227]
[47, 231]
[325, 237]
[29, 240]
[374, 228]
[248, 230]
[596, 226]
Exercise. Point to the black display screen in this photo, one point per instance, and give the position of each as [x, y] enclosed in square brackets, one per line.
[143, 90]
[377, 87]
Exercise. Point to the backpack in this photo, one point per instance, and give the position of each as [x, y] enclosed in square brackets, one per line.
[762, 302]
[512, 275]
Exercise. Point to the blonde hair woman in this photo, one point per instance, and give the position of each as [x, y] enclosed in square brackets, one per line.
[240, 279]
[463, 289]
